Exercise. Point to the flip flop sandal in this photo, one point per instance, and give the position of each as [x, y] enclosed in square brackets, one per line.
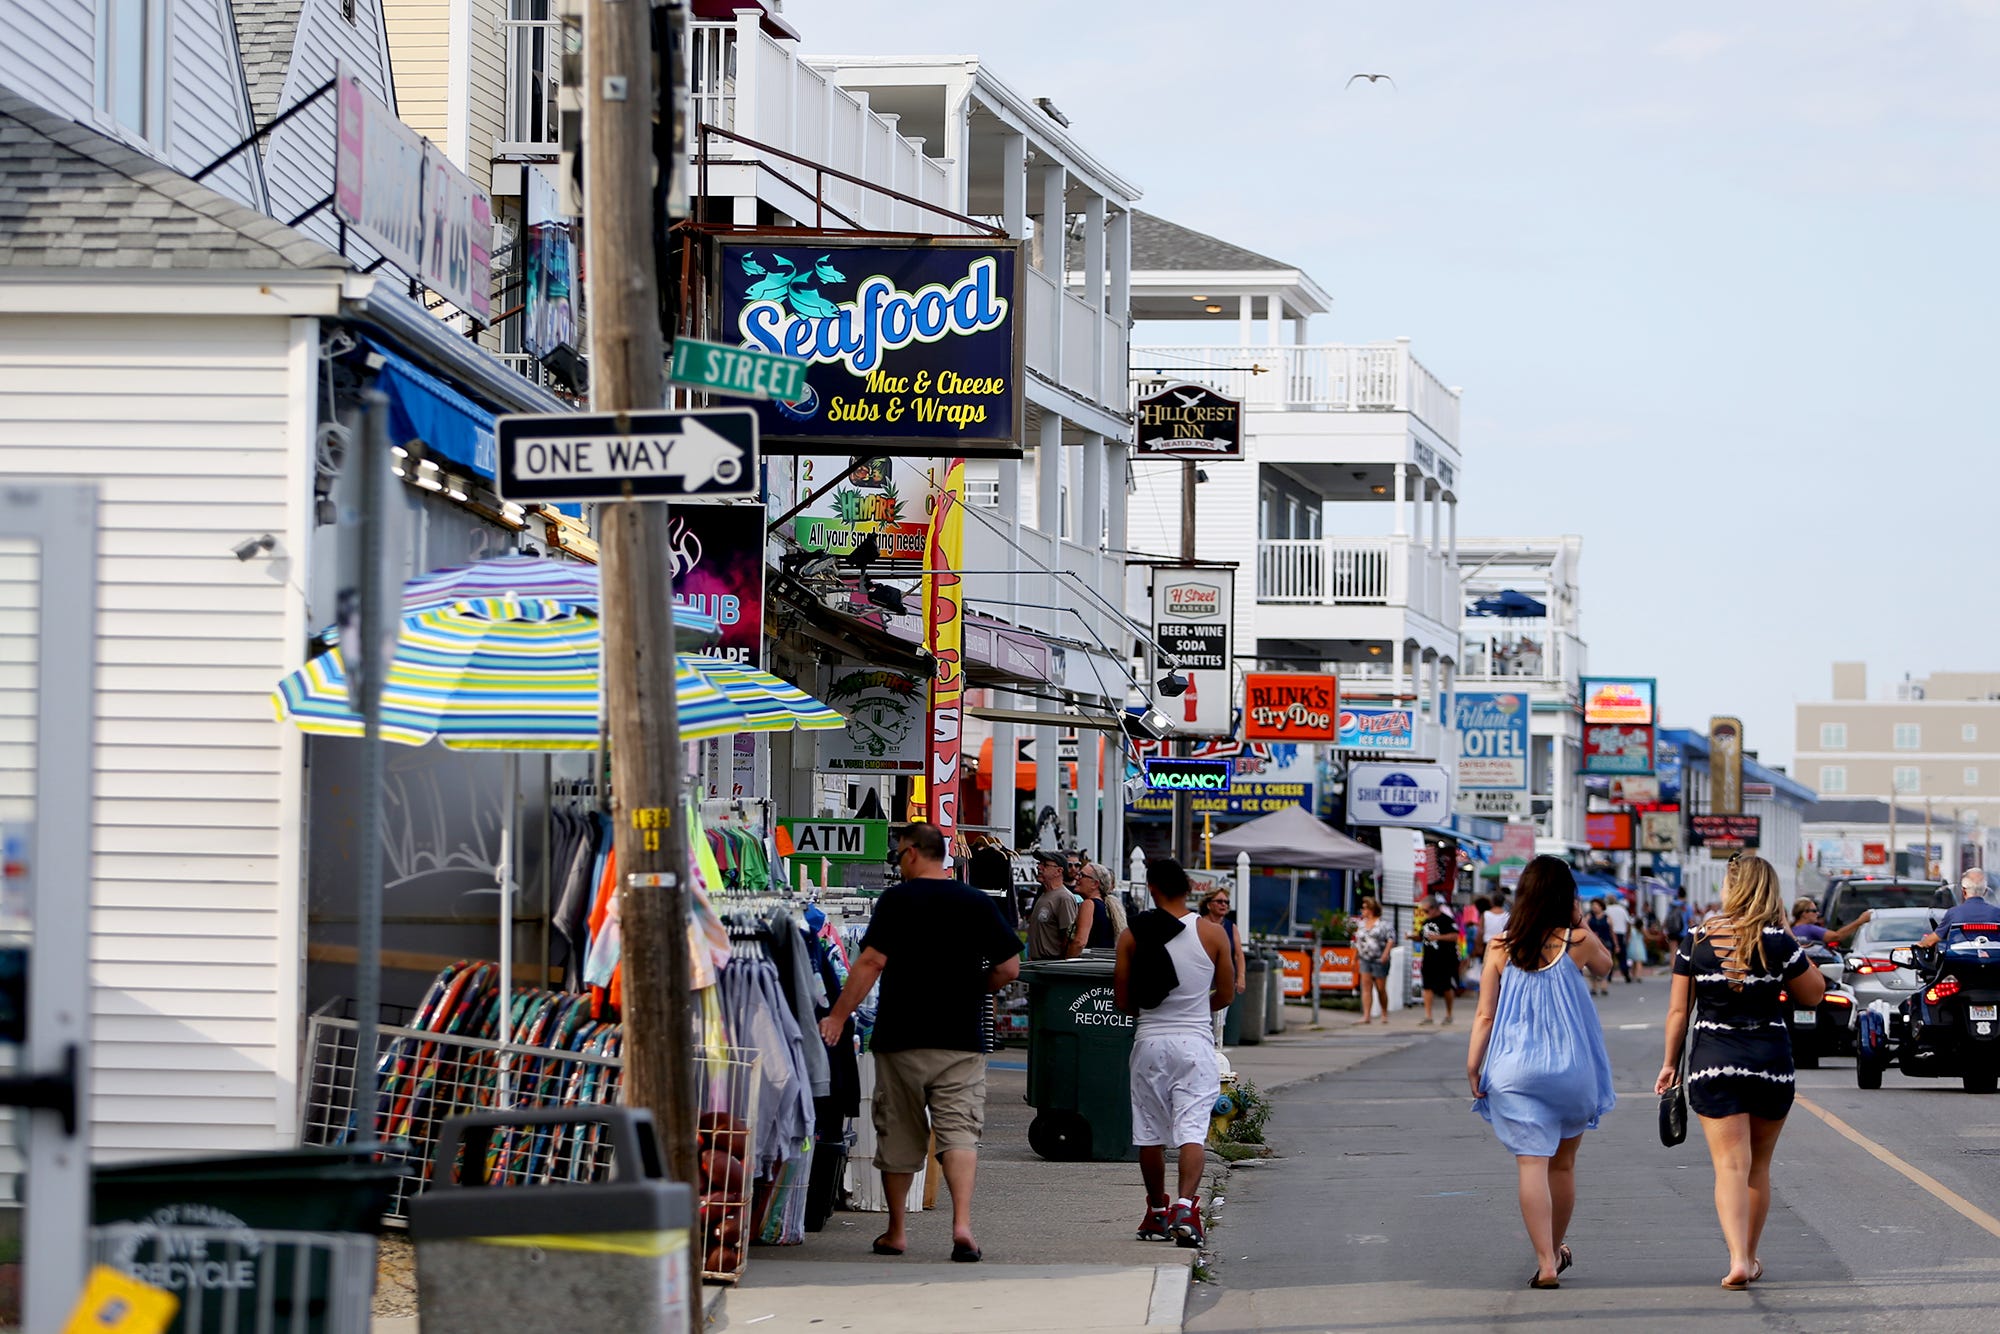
[964, 1254]
[880, 1249]
[1535, 1280]
[1566, 1259]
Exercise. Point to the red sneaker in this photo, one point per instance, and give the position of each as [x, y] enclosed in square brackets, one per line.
[1154, 1226]
[1185, 1223]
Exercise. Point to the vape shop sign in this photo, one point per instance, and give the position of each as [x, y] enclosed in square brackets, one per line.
[1193, 609]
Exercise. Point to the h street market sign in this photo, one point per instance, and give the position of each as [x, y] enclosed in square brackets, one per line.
[1414, 795]
[710, 455]
[1189, 421]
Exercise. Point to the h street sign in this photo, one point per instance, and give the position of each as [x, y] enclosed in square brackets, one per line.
[710, 455]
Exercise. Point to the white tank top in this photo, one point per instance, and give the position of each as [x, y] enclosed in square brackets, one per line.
[1185, 1011]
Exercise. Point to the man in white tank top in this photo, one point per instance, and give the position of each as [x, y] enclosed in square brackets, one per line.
[1174, 970]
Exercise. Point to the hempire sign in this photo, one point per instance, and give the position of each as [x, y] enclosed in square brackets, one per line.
[1175, 775]
[1190, 421]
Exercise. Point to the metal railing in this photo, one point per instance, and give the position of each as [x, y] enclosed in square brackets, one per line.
[534, 84]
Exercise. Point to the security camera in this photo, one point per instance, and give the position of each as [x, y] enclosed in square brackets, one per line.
[252, 547]
[1173, 685]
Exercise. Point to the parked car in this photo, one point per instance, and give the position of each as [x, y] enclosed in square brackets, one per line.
[1845, 899]
[1870, 973]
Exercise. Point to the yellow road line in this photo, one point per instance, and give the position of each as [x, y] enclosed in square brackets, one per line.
[1950, 1197]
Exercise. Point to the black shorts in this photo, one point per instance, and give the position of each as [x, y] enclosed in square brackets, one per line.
[1440, 974]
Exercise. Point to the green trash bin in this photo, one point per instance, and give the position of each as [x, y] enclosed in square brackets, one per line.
[1079, 1059]
[1249, 1006]
[282, 1241]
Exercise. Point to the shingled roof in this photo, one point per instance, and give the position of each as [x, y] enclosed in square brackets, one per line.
[1158, 244]
[266, 30]
[72, 199]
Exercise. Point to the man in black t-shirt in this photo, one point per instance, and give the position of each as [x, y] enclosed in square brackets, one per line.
[940, 948]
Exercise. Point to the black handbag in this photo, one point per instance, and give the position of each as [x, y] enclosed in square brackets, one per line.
[1674, 1102]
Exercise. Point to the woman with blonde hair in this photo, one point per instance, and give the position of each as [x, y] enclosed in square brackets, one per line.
[1728, 976]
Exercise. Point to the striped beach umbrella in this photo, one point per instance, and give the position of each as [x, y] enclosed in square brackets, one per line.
[771, 703]
[528, 577]
[505, 673]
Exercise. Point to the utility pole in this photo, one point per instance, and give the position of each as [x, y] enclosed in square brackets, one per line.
[628, 374]
[1183, 827]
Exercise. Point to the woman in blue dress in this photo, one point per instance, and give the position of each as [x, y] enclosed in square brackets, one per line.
[1537, 1064]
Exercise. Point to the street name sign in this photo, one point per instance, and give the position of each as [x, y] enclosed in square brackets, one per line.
[745, 371]
[710, 455]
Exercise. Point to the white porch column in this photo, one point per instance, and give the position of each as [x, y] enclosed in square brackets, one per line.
[1452, 513]
[1396, 671]
[1093, 292]
[1089, 788]
[1402, 490]
[1091, 506]
[1110, 846]
[1118, 244]
[1274, 320]
[1437, 524]
[1001, 797]
[1417, 508]
[1434, 696]
[1448, 707]
[1048, 476]
[1116, 501]
[1010, 500]
[1048, 789]
[1243, 319]
[1051, 234]
[1014, 184]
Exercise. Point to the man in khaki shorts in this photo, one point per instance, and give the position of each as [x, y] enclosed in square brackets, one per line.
[939, 947]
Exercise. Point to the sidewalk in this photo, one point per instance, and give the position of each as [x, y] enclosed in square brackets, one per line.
[1060, 1254]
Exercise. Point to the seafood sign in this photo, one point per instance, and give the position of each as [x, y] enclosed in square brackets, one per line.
[913, 347]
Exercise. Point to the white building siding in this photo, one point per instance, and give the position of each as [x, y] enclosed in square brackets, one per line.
[49, 54]
[196, 436]
[486, 114]
[299, 154]
[210, 106]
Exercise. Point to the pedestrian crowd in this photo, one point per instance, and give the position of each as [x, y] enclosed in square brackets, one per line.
[1536, 1062]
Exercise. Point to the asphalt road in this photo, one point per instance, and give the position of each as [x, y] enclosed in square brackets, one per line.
[1392, 1207]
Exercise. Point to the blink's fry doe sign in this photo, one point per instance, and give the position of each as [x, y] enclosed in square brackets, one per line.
[1290, 706]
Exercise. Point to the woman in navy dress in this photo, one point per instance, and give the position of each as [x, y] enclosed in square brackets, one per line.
[1740, 1076]
[1539, 1071]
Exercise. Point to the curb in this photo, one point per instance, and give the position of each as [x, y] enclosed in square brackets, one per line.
[1169, 1303]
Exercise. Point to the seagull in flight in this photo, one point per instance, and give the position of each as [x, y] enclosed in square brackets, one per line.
[1372, 78]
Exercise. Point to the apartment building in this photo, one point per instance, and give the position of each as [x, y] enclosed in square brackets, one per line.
[1932, 740]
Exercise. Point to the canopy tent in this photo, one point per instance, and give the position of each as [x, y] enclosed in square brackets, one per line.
[1293, 837]
[1508, 602]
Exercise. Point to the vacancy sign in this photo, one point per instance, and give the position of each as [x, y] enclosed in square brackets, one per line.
[709, 455]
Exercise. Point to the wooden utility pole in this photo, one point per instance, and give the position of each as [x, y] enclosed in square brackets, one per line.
[1183, 826]
[628, 374]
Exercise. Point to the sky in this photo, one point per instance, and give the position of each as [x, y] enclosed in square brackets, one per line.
[1717, 280]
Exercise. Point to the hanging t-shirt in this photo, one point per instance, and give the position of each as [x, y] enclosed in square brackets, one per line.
[941, 939]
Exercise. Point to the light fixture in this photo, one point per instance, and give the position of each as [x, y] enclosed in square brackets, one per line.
[1379, 490]
[1200, 475]
[1213, 309]
[252, 547]
[1374, 650]
[1148, 725]
[1173, 685]
[427, 465]
[1199, 298]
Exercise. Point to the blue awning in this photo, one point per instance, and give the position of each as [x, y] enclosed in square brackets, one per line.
[423, 407]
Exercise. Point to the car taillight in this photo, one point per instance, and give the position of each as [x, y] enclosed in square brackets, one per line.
[1782, 997]
[1873, 965]
[1836, 1000]
[1943, 987]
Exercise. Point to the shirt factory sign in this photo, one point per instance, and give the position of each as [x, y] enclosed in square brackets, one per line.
[913, 348]
[1189, 421]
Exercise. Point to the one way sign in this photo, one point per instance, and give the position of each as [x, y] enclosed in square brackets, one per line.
[683, 456]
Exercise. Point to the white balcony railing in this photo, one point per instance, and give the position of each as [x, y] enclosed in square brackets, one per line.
[1346, 377]
[1358, 571]
[534, 82]
[1323, 570]
[747, 82]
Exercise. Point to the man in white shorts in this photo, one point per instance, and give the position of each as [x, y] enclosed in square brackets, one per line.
[1174, 970]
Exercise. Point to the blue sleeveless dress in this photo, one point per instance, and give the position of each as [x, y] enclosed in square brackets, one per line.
[1547, 1076]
